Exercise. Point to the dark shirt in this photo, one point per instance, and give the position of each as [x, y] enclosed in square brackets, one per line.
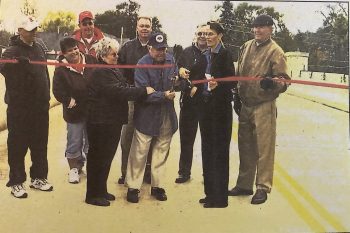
[193, 60]
[129, 54]
[222, 66]
[108, 96]
[69, 83]
[27, 86]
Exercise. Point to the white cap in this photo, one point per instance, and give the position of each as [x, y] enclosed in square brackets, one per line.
[28, 23]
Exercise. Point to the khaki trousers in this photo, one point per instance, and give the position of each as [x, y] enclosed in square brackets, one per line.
[138, 157]
[256, 144]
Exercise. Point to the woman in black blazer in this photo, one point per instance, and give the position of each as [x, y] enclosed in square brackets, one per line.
[107, 112]
[216, 120]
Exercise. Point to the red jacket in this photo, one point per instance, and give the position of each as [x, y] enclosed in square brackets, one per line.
[83, 45]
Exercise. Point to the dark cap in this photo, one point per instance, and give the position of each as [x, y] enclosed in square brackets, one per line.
[157, 40]
[216, 27]
[262, 20]
[85, 14]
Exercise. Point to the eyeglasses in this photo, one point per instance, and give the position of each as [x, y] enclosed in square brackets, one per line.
[87, 23]
[201, 33]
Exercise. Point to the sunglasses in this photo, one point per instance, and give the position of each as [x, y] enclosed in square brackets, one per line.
[87, 23]
[205, 34]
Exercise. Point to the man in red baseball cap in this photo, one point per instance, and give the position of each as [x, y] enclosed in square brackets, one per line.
[87, 34]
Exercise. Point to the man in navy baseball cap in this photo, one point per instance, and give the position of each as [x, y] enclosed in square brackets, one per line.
[158, 40]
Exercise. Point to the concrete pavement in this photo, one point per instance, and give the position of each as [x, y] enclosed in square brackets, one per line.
[310, 193]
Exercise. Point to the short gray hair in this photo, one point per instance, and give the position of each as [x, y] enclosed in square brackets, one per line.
[103, 47]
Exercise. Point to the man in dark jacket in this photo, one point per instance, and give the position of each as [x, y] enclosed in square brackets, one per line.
[192, 64]
[131, 52]
[27, 96]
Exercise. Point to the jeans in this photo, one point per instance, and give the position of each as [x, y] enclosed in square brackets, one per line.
[77, 141]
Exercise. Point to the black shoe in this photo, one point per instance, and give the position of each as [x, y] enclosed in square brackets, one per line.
[203, 200]
[259, 197]
[182, 179]
[132, 195]
[121, 180]
[158, 193]
[236, 191]
[110, 197]
[215, 205]
[99, 201]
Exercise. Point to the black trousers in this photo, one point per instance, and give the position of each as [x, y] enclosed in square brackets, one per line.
[27, 128]
[216, 129]
[188, 125]
[103, 143]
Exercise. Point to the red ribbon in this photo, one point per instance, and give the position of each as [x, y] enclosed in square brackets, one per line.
[88, 65]
[304, 82]
[226, 79]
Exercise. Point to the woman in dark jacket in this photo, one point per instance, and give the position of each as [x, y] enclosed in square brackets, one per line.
[70, 88]
[216, 120]
[108, 111]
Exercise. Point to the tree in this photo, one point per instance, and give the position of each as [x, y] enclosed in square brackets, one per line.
[336, 30]
[156, 26]
[328, 47]
[237, 22]
[29, 8]
[4, 38]
[60, 22]
[125, 16]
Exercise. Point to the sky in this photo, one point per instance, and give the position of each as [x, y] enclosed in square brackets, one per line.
[179, 18]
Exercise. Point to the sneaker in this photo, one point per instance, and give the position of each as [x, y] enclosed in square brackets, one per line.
[19, 191]
[41, 184]
[132, 195]
[73, 176]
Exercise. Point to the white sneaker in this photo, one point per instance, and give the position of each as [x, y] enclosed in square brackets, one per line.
[41, 184]
[19, 191]
[73, 176]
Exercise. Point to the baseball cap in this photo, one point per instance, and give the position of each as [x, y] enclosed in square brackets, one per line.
[28, 23]
[85, 14]
[158, 40]
[262, 20]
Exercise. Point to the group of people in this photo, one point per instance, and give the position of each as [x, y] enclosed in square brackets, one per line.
[104, 105]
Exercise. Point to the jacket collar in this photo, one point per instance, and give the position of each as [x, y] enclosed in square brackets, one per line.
[64, 60]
